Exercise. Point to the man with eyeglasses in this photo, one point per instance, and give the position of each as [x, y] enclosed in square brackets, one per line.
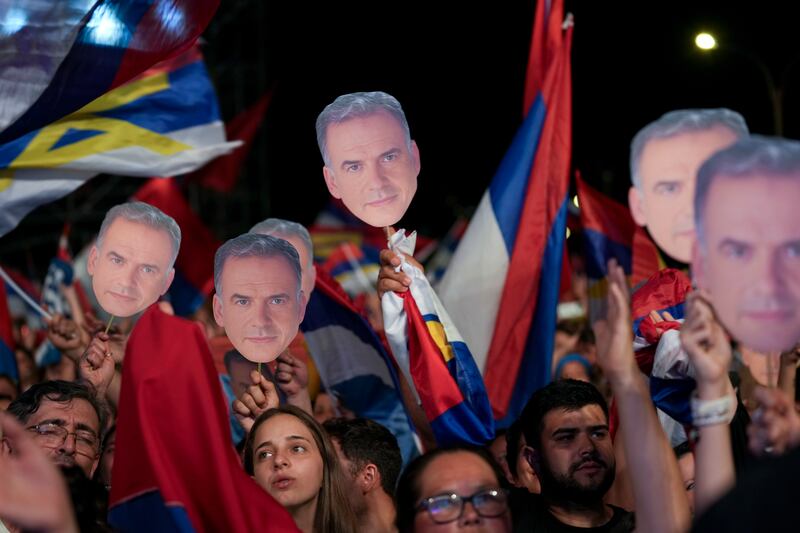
[66, 421]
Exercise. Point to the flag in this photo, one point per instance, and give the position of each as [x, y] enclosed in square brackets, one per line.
[165, 122]
[66, 54]
[194, 266]
[353, 267]
[352, 362]
[436, 361]
[503, 281]
[607, 233]
[437, 265]
[221, 173]
[176, 469]
[8, 361]
[59, 273]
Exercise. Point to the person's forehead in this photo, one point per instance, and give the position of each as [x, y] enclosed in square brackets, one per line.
[258, 271]
[140, 240]
[280, 427]
[77, 409]
[682, 153]
[588, 415]
[460, 472]
[745, 203]
[362, 132]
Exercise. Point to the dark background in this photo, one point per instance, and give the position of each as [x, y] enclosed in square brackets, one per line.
[458, 70]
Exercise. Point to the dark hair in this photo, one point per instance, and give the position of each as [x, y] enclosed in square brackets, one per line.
[565, 394]
[334, 512]
[366, 442]
[56, 391]
[408, 494]
[89, 500]
[513, 435]
[682, 449]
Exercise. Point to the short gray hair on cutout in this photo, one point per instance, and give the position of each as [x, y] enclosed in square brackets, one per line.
[754, 156]
[255, 245]
[148, 215]
[279, 227]
[357, 105]
[683, 121]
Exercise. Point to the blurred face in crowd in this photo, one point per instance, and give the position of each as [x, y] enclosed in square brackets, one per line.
[372, 169]
[260, 305]
[575, 461]
[748, 258]
[107, 459]
[664, 199]
[498, 450]
[352, 479]
[464, 474]
[8, 392]
[287, 462]
[686, 466]
[132, 267]
[69, 432]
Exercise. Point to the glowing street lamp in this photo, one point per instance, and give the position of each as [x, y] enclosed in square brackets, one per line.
[705, 41]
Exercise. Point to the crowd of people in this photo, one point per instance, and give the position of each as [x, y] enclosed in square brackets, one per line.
[589, 452]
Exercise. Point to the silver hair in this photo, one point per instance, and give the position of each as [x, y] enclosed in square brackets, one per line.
[148, 215]
[255, 245]
[679, 122]
[279, 227]
[356, 105]
[754, 156]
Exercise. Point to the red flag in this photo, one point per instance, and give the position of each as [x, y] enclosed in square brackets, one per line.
[176, 468]
[646, 259]
[221, 173]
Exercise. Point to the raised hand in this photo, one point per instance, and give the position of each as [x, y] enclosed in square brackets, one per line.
[775, 427]
[614, 334]
[97, 364]
[69, 338]
[33, 494]
[256, 399]
[707, 344]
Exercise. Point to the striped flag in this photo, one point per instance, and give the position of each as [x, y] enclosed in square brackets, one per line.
[8, 361]
[502, 285]
[436, 361]
[59, 56]
[166, 122]
[352, 362]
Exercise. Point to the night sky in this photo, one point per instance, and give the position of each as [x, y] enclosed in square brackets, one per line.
[458, 70]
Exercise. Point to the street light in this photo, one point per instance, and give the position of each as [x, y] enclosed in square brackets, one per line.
[707, 42]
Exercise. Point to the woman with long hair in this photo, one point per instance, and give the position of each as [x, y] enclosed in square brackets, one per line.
[289, 454]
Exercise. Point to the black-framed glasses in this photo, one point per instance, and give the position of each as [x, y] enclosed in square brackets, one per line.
[488, 503]
[53, 435]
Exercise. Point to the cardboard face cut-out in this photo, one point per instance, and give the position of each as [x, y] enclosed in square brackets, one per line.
[747, 253]
[662, 200]
[260, 305]
[371, 164]
[131, 266]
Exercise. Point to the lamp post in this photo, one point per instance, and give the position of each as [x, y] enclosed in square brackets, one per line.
[707, 42]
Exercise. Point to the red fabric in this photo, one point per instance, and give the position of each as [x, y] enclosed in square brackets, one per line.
[155, 41]
[605, 216]
[646, 261]
[173, 433]
[437, 390]
[546, 193]
[221, 173]
[666, 288]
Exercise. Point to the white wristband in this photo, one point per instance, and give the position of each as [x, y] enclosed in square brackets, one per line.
[710, 412]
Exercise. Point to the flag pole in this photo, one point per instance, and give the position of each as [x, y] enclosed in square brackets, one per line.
[22, 294]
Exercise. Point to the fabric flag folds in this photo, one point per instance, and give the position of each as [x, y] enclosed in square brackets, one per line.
[436, 361]
[352, 363]
[607, 233]
[503, 281]
[59, 56]
[166, 122]
[178, 470]
[8, 361]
